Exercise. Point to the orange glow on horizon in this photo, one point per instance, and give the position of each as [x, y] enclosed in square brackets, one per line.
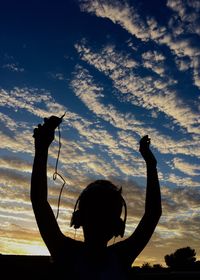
[21, 247]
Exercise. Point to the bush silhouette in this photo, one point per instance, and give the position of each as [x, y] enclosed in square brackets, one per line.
[181, 259]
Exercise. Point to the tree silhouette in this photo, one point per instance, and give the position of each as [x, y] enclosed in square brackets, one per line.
[146, 265]
[183, 258]
[157, 266]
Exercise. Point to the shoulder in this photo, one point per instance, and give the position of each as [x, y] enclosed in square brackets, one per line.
[116, 246]
[122, 250]
[67, 247]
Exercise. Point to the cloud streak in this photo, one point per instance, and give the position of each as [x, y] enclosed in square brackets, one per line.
[142, 91]
[148, 29]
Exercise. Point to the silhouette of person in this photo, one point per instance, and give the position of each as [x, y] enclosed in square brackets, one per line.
[98, 211]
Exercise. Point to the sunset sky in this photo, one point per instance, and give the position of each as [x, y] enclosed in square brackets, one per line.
[120, 70]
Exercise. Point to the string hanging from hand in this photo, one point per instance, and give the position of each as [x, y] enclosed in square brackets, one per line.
[58, 174]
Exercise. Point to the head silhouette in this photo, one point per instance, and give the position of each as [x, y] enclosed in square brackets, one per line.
[98, 210]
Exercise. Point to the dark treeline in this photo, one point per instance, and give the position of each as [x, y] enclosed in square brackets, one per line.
[183, 259]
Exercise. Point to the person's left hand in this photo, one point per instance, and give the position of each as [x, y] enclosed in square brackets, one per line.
[146, 152]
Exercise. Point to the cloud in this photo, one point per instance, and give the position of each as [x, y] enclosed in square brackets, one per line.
[13, 67]
[118, 12]
[58, 76]
[36, 101]
[185, 167]
[15, 163]
[91, 95]
[21, 240]
[154, 61]
[126, 16]
[188, 12]
[182, 181]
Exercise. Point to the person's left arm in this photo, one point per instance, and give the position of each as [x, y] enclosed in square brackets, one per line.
[131, 247]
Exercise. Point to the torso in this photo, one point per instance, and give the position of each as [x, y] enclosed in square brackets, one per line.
[79, 264]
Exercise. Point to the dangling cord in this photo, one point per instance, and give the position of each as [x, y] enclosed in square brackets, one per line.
[56, 172]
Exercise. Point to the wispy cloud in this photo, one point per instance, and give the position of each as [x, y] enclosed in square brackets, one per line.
[13, 67]
[145, 92]
[186, 15]
[91, 95]
[29, 99]
[147, 28]
[155, 61]
[187, 168]
[118, 12]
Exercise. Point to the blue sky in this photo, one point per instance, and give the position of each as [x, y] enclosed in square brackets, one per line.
[120, 70]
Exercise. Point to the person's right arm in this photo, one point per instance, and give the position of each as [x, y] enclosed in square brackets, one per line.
[44, 215]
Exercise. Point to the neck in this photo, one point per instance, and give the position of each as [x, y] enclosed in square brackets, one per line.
[95, 246]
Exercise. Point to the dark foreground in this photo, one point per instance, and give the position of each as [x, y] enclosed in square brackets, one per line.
[40, 267]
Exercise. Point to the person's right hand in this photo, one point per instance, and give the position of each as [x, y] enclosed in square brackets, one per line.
[44, 134]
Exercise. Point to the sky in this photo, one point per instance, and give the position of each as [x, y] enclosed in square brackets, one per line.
[120, 70]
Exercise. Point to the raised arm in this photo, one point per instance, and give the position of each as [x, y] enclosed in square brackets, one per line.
[44, 215]
[132, 246]
[153, 207]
